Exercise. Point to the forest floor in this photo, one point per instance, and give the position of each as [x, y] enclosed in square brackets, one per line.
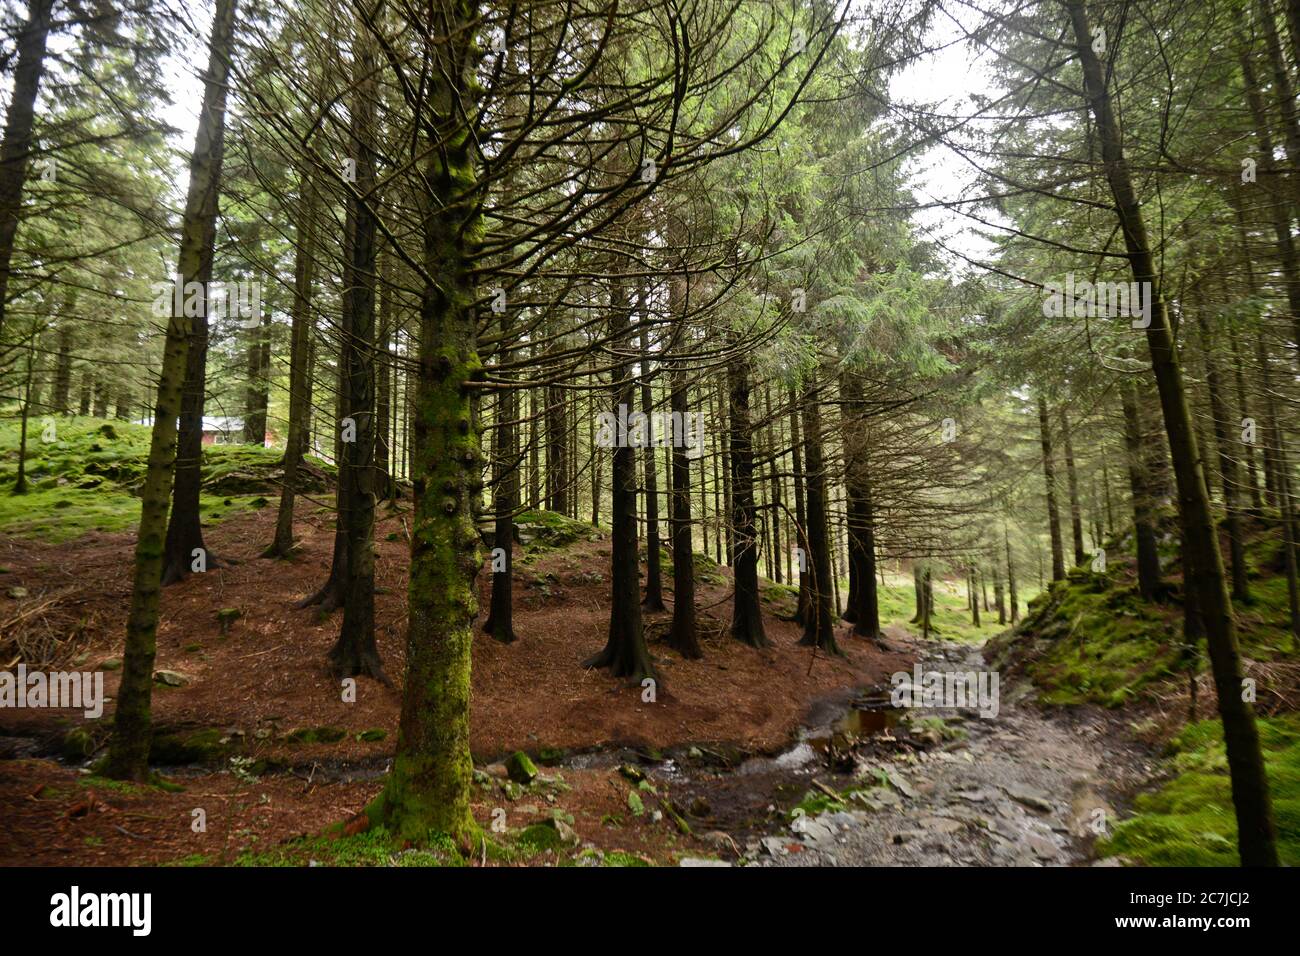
[773, 757]
[260, 738]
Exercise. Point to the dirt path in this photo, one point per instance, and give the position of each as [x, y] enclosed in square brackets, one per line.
[1022, 788]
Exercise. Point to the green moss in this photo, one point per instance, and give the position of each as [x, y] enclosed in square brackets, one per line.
[78, 744]
[520, 769]
[1093, 639]
[541, 531]
[538, 838]
[317, 735]
[203, 746]
[1189, 821]
[374, 847]
[87, 479]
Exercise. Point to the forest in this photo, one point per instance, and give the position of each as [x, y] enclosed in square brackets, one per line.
[649, 433]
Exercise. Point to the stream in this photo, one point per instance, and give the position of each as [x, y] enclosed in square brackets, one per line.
[1023, 787]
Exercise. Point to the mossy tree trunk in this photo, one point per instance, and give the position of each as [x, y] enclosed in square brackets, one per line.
[128, 750]
[1256, 840]
[428, 790]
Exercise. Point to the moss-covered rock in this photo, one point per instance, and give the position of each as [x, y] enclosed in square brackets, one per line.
[520, 769]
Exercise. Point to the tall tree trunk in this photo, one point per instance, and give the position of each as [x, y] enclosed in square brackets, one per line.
[128, 749]
[355, 652]
[557, 452]
[746, 613]
[428, 790]
[1049, 479]
[1256, 839]
[800, 511]
[683, 636]
[506, 464]
[1072, 488]
[63, 368]
[1144, 528]
[15, 149]
[1229, 474]
[1012, 598]
[819, 624]
[625, 652]
[863, 604]
[304, 273]
[653, 601]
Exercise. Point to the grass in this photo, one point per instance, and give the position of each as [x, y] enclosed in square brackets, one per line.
[1189, 821]
[85, 479]
[376, 847]
[951, 619]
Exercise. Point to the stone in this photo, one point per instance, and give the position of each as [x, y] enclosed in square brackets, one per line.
[1034, 799]
[170, 678]
[629, 772]
[520, 769]
[700, 861]
[1042, 847]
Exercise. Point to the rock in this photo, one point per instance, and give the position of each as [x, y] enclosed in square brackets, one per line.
[695, 753]
[497, 770]
[774, 846]
[170, 678]
[78, 744]
[228, 616]
[1042, 847]
[520, 769]
[1034, 799]
[110, 664]
[811, 828]
[17, 593]
[629, 772]
[906, 836]
[700, 861]
[903, 787]
[941, 824]
[563, 830]
[719, 840]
